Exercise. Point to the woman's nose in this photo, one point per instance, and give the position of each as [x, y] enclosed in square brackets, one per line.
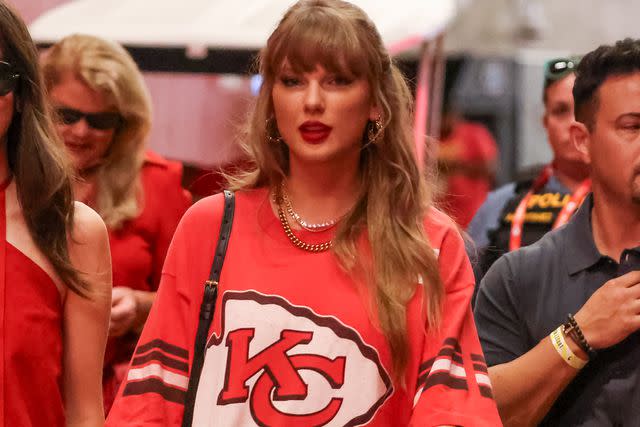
[314, 97]
[79, 128]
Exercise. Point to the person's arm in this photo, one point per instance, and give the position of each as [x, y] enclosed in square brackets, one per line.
[528, 384]
[526, 388]
[453, 387]
[86, 320]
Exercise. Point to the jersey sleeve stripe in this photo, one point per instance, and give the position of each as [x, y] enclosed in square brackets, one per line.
[426, 366]
[484, 385]
[446, 369]
[478, 358]
[155, 370]
[482, 376]
[445, 365]
[163, 359]
[165, 347]
[480, 368]
[453, 343]
[155, 385]
[443, 378]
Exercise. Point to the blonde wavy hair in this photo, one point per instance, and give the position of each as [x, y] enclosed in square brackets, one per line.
[394, 198]
[106, 67]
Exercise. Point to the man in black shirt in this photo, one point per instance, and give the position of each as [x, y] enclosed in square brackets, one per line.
[587, 371]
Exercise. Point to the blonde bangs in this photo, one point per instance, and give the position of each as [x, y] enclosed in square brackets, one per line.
[320, 38]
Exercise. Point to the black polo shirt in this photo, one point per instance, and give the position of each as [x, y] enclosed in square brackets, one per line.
[529, 292]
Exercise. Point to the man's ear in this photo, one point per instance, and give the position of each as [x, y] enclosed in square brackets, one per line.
[581, 140]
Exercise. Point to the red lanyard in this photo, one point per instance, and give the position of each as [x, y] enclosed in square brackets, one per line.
[515, 239]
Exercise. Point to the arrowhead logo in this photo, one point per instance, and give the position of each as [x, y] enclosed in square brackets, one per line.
[276, 364]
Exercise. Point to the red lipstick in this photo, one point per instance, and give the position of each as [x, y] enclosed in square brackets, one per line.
[314, 132]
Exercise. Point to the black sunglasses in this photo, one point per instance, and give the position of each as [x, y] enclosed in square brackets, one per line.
[99, 121]
[558, 68]
[8, 78]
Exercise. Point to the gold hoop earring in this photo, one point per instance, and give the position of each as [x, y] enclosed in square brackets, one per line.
[374, 130]
[273, 135]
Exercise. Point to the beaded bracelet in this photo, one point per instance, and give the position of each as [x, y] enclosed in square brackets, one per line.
[576, 334]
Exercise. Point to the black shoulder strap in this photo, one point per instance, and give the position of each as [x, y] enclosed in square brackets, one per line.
[207, 308]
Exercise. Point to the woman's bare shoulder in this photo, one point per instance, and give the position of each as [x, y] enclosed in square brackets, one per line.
[89, 248]
[87, 225]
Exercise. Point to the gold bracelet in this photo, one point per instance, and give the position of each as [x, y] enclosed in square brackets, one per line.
[563, 349]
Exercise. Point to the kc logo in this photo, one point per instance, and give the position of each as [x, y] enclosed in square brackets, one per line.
[284, 365]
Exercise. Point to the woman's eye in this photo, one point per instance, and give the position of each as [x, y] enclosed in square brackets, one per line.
[340, 80]
[290, 81]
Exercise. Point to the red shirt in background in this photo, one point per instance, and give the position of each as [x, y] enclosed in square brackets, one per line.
[469, 143]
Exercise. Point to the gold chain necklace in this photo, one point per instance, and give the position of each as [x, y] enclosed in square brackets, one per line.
[309, 247]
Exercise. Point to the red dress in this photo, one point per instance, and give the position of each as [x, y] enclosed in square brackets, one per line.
[138, 250]
[30, 340]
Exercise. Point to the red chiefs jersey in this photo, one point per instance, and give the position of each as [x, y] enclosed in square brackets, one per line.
[292, 341]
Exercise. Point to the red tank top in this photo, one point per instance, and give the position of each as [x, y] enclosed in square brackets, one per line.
[30, 339]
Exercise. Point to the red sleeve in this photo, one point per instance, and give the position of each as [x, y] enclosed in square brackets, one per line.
[165, 195]
[453, 387]
[155, 385]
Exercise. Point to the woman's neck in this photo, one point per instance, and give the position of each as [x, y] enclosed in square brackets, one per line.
[321, 194]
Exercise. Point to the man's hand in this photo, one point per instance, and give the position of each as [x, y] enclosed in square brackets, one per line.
[613, 311]
[124, 311]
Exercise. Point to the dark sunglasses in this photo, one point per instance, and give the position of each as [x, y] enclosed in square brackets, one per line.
[560, 67]
[99, 121]
[8, 78]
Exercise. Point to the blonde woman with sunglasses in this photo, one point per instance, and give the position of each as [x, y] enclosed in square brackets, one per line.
[103, 116]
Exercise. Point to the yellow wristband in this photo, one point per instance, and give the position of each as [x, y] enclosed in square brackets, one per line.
[561, 346]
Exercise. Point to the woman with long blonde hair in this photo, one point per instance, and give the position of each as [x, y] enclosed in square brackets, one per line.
[103, 113]
[55, 271]
[344, 296]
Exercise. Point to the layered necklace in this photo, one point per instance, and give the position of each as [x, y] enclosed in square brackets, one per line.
[283, 202]
[314, 228]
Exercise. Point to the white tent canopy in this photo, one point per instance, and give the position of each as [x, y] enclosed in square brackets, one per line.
[224, 24]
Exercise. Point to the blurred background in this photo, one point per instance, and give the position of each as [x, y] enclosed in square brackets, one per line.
[491, 56]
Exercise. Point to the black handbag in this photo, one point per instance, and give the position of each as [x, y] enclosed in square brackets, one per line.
[207, 308]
